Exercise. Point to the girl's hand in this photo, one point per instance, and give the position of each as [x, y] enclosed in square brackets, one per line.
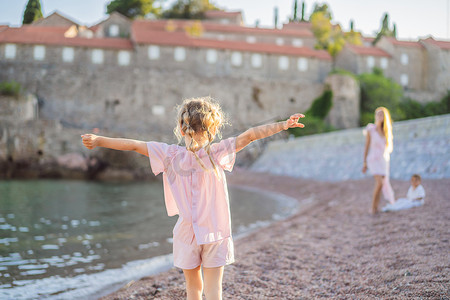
[90, 141]
[364, 169]
[293, 121]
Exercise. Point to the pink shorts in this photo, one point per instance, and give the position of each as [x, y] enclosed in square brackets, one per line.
[190, 256]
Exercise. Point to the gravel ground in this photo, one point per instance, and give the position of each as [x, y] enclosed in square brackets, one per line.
[333, 248]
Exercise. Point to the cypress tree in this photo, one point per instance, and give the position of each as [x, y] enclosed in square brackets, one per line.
[295, 11]
[303, 11]
[275, 11]
[32, 12]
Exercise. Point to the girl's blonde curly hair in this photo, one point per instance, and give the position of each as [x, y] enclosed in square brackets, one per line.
[387, 128]
[200, 116]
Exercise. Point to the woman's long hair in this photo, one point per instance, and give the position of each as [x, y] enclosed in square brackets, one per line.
[387, 128]
[200, 116]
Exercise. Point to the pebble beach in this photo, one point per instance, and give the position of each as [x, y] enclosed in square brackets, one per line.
[332, 248]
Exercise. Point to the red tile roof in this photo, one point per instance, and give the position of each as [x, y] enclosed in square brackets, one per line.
[152, 32]
[142, 34]
[222, 28]
[413, 44]
[372, 51]
[441, 44]
[54, 36]
[54, 14]
[221, 13]
[368, 39]
[297, 26]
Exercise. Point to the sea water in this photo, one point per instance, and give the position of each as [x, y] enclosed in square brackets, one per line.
[63, 239]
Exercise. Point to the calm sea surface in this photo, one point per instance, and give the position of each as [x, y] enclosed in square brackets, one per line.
[64, 239]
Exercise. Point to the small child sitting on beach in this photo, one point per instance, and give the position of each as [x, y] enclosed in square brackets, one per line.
[414, 197]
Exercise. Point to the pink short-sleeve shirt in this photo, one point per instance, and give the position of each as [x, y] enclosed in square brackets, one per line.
[199, 197]
[378, 157]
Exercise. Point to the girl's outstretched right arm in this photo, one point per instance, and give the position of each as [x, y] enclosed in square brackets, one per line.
[263, 131]
[91, 141]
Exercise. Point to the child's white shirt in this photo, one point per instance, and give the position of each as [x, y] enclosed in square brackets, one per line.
[418, 192]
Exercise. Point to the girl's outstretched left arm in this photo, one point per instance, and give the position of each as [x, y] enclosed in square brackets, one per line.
[91, 141]
[260, 132]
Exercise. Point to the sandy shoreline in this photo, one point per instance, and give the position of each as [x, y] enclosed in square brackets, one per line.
[332, 248]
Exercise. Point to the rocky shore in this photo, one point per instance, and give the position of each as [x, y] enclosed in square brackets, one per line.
[332, 248]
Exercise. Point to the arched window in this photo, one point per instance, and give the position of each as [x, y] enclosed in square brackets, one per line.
[251, 39]
[179, 54]
[370, 62]
[283, 63]
[236, 59]
[404, 59]
[279, 41]
[256, 60]
[39, 52]
[211, 56]
[97, 56]
[302, 64]
[10, 51]
[123, 58]
[404, 80]
[384, 63]
[297, 42]
[153, 52]
[68, 54]
[114, 30]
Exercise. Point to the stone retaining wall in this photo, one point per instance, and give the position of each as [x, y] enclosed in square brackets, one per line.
[420, 146]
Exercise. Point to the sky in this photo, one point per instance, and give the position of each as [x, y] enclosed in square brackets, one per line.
[414, 18]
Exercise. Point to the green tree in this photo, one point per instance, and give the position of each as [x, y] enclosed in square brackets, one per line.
[303, 12]
[352, 37]
[10, 88]
[385, 31]
[189, 9]
[328, 37]
[336, 43]
[322, 105]
[321, 27]
[324, 9]
[295, 11]
[275, 13]
[135, 8]
[32, 12]
[315, 116]
[377, 90]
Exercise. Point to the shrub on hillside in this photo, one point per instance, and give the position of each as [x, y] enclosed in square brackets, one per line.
[412, 109]
[340, 71]
[10, 88]
[315, 115]
[377, 90]
[313, 125]
[321, 106]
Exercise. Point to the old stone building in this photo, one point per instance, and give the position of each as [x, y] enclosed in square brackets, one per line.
[438, 64]
[124, 78]
[420, 67]
[128, 75]
[362, 59]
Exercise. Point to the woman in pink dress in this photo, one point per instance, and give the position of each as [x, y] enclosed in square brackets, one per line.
[195, 188]
[377, 152]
